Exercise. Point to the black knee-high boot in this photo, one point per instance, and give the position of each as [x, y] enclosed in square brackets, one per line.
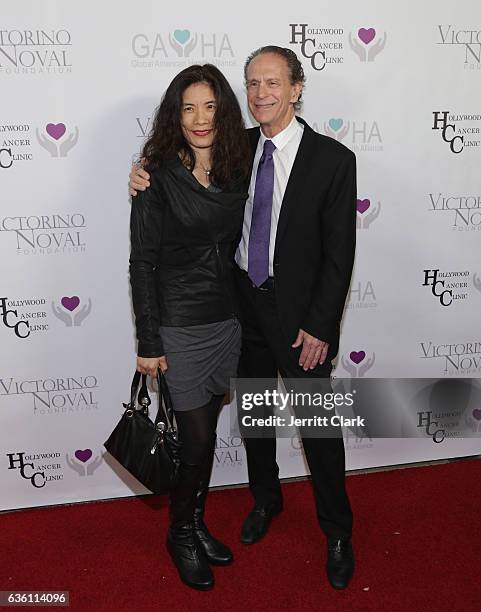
[216, 552]
[182, 544]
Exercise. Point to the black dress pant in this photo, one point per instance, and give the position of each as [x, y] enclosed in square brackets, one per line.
[265, 352]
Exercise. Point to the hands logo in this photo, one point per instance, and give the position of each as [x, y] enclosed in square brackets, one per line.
[182, 42]
[81, 463]
[364, 218]
[65, 312]
[336, 128]
[473, 420]
[477, 282]
[55, 142]
[357, 364]
[367, 52]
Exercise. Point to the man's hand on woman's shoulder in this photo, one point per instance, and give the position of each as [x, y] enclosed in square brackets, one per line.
[139, 179]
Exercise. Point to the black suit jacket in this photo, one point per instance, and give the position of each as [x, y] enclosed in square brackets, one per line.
[316, 236]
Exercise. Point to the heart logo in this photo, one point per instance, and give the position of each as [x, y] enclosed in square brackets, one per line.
[363, 205]
[336, 124]
[182, 36]
[70, 303]
[477, 414]
[357, 356]
[83, 455]
[366, 35]
[56, 130]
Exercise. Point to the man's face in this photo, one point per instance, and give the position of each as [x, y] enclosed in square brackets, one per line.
[270, 94]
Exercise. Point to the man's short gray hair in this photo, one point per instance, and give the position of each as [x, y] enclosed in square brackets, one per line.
[294, 66]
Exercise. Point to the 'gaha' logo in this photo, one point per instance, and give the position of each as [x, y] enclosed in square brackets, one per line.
[155, 50]
[361, 295]
[336, 128]
[361, 135]
[183, 42]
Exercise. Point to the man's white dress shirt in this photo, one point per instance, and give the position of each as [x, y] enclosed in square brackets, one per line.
[286, 143]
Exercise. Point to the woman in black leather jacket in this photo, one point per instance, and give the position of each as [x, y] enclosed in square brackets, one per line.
[184, 232]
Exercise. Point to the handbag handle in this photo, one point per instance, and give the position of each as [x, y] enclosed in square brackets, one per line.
[144, 398]
[133, 389]
[163, 392]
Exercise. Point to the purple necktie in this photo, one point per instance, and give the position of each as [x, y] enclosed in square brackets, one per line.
[259, 235]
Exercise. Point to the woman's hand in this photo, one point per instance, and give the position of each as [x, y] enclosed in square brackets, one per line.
[149, 365]
[139, 179]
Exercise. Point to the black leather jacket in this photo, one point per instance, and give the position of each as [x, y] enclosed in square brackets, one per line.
[183, 241]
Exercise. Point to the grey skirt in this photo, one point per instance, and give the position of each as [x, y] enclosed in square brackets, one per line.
[201, 360]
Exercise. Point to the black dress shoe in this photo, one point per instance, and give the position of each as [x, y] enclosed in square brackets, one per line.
[340, 563]
[257, 522]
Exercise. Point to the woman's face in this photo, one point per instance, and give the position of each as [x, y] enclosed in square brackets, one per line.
[197, 115]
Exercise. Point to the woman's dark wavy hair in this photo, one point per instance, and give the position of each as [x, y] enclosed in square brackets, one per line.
[230, 151]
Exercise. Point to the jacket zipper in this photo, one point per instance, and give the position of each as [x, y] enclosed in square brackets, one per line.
[220, 269]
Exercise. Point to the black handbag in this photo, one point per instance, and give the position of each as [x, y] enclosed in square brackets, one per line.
[150, 451]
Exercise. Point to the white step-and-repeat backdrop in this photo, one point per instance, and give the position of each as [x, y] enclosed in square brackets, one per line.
[398, 83]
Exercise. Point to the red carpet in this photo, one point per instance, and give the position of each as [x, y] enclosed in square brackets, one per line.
[417, 542]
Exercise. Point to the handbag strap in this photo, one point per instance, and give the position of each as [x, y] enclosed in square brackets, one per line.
[143, 397]
[165, 410]
[133, 389]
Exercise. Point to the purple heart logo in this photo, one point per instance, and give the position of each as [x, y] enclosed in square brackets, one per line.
[83, 455]
[363, 205]
[366, 35]
[477, 414]
[70, 303]
[357, 356]
[56, 130]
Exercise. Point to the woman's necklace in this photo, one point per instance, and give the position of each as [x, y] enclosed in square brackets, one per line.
[206, 172]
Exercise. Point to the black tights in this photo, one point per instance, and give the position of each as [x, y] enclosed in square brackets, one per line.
[197, 430]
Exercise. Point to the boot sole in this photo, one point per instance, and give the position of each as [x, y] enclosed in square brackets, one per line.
[197, 587]
[220, 563]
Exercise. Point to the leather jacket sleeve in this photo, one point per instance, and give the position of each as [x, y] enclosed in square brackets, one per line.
[145, 235]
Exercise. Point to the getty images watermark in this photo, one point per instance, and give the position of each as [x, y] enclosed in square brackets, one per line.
[270, 399]
[438, 409]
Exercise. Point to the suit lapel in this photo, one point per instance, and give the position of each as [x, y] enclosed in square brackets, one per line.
[296, 177]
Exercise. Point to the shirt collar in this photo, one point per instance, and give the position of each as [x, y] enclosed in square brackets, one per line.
[285, 136]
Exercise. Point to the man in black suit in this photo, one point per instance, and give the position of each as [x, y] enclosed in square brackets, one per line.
[294, 260]
[292, 308]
